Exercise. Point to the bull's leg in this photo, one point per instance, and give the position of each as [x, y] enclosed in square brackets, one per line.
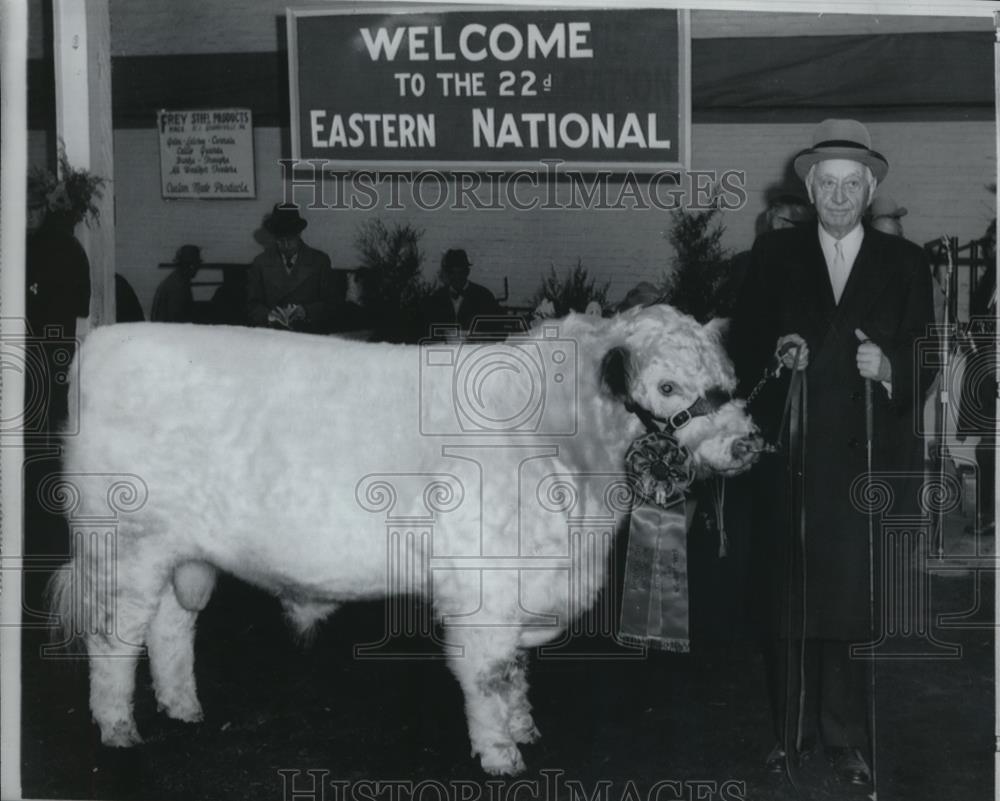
[171, 658]
[484, 667]
[522, 725]
[114, 652]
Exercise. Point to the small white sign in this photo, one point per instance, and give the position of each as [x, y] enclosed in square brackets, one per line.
[206, 153]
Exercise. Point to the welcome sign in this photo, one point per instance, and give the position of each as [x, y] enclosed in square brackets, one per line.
[593, 88]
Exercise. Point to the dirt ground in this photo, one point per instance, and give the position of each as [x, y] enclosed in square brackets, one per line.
[657, 727]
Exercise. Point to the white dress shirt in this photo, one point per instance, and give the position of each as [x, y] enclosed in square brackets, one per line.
[840, 269]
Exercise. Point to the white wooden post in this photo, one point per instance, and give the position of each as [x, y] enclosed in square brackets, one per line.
[82, 48]
[13, 135]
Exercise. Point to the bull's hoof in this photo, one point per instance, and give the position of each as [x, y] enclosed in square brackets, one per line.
[529, 735]
[523, 728]
[186, 711]
[502, 760]
[122, 734]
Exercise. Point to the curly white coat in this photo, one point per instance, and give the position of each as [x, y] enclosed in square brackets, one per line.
[327, 471]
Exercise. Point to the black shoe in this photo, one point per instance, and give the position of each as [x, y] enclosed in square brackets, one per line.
[775, 762]
[851, 767]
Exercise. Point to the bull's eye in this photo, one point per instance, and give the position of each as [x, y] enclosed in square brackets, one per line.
[666, 388]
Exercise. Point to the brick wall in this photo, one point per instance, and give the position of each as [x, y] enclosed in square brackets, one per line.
[938, 170]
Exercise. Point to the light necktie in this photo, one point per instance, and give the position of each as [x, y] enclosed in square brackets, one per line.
[838, 272]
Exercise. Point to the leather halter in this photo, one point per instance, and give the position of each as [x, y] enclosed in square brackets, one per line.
[703, 405]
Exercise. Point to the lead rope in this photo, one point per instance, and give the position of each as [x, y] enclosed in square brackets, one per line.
[794, 416]
[718, 503]
[719, 489]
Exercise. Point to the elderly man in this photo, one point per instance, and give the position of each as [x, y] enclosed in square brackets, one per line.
[291, 285]
[845, 304]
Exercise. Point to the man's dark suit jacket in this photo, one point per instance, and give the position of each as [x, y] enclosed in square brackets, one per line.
[477, 301]
[311, 284]
[888, 296]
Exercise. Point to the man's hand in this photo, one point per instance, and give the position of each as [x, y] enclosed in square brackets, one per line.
[872, 362]
[286, 315]
[786, 350]
[278, 316]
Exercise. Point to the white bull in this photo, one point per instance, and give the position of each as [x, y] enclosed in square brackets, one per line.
[290, 461]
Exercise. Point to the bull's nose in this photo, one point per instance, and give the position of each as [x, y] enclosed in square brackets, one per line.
[744, 447]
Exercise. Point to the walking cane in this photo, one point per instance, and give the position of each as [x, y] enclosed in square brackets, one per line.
[869, 436]
[944, 396]
[793, 421]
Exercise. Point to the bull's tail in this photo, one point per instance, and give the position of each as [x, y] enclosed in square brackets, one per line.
[81, 593]
[63, 599]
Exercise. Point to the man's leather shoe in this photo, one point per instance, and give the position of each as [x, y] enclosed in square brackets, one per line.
[775, 762]
[851, 767]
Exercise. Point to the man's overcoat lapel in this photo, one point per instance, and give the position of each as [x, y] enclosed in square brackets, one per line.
[861, 293]
[285, 282]
[811, 304]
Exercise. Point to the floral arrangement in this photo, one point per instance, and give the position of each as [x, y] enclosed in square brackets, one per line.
[701, 282]
[72, 197]
[394, 290]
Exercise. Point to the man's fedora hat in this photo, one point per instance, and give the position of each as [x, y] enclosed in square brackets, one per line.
[188, 254]
[841, 139]
[284, 221]
[455, 259]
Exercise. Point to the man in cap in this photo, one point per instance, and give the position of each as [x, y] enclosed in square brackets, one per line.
[459, 301]
[787, 211]
[291, 285]
[173, 301]
[845, 304]
[886, 215]
[642, 294]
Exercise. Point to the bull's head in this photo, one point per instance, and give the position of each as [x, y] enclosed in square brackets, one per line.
[673, 373]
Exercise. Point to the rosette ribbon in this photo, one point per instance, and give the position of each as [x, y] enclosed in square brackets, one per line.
[655, 596]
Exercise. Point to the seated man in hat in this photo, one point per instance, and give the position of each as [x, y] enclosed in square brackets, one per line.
[459, 301]
[173, 301]
[845, 304]
[291, 285]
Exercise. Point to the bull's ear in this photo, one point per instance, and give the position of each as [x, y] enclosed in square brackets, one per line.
[717, 328]
[616, 372]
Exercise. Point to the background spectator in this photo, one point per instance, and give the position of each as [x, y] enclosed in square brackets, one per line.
[127, 306]
[291, 285]
[173, 301]
[229, 301]
[57, 279]
[459, 301]
[886, 215]
[788, 211]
